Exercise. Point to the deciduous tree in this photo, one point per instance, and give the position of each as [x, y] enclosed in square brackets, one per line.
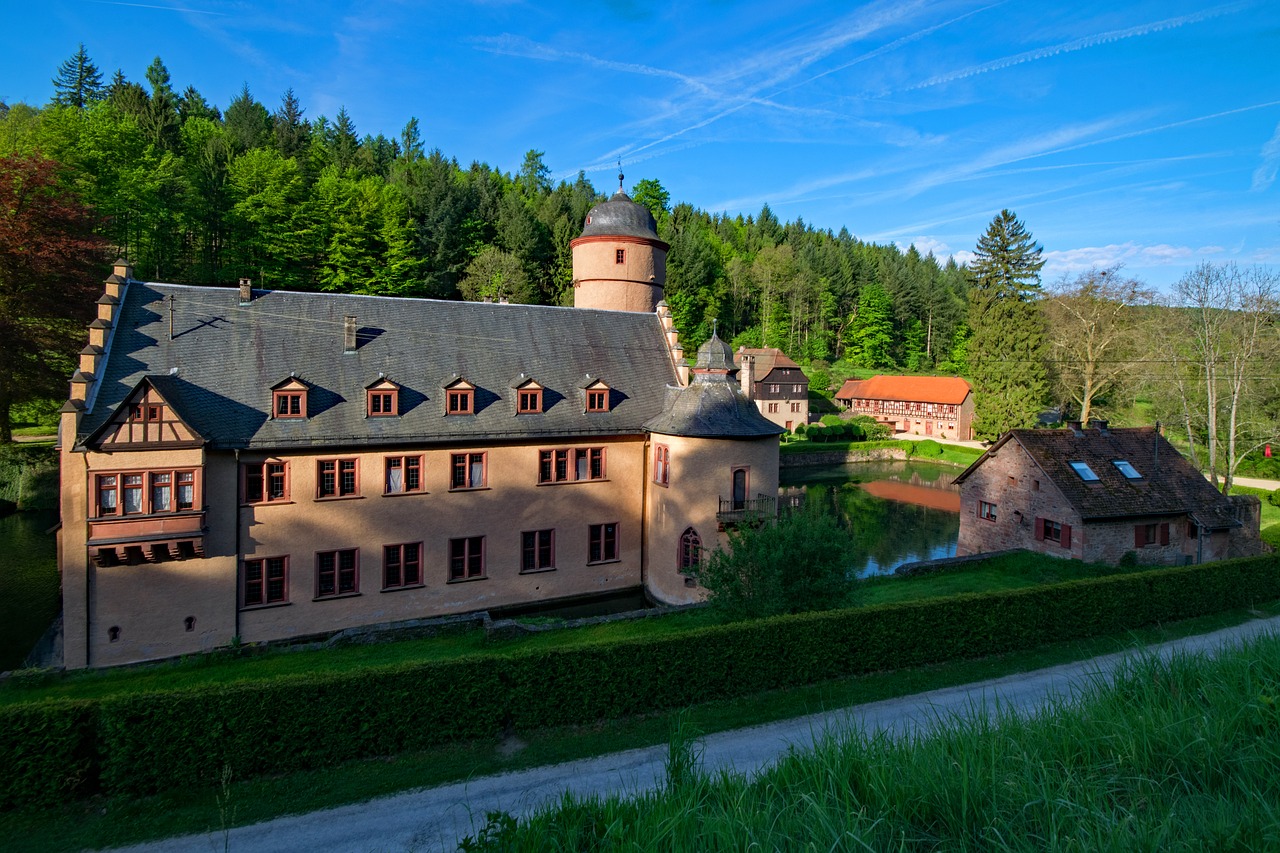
[48, 256]
[1093, 325]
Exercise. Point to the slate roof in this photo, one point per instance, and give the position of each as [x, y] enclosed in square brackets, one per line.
[228, 356]
[620, 216]
[767, 358]
[712, 406]
[1169, 484]
[910, 389]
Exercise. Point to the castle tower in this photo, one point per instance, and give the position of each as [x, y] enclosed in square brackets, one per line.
[619, 264]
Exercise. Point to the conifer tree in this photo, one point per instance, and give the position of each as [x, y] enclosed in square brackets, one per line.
[291, 129]
[79, 83]
[160, 121]
[248, 123]
[1006, 349]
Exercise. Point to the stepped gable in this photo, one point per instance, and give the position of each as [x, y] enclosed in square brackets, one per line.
[711, 406]
[225, 356]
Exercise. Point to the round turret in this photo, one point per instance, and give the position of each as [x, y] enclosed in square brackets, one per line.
[619, 264]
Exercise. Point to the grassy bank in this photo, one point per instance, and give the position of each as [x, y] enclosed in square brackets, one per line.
[103, 822]
[921, 451]
[1000, 573]
[1180, 755]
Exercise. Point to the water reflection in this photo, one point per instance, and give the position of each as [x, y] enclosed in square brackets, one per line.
[897, 512]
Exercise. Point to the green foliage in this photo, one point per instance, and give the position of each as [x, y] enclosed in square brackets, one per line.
[786, 566]
[927, 448]
[79, 83]
[1006, 348]
[145, 742]
[1274, 498]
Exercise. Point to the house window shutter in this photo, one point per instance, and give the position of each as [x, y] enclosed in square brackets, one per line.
[1164, 533]
[1066, 536]
[1139, 536]
[1039, 529]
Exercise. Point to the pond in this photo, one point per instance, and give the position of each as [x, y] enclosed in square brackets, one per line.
[898, 512]
[28, 583]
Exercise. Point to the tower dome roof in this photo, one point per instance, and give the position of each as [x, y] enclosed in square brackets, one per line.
[620, 217]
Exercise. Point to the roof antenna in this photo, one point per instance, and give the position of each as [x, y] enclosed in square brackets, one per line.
[620, 176]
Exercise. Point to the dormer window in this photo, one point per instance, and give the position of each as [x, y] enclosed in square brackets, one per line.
[1086, 473]
[597, 397]
[529, 400]
[383, 399]
[289, 399]
[1123, 466]
[459, 398]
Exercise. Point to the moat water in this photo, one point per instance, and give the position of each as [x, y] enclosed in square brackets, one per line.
[896, 512]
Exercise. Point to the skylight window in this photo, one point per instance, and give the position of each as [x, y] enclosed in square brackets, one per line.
[1123, 466]
[1085, 472]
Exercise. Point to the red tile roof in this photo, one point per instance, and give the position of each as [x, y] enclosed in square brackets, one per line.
[910, 389]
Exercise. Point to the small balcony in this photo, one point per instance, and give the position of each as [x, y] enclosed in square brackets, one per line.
[746, 510]
[134, 539]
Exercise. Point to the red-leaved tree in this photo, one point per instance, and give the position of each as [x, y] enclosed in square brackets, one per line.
[50, 263]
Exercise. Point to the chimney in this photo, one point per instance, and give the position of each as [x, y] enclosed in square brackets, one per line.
[1099, 424]
[246, 291]
[349, 333]
[1074, 426]
[747, 374]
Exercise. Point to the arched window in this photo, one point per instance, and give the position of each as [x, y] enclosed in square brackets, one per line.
[690, 549]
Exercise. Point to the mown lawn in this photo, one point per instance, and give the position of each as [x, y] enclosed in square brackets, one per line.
[1009, 572]
[104, 822]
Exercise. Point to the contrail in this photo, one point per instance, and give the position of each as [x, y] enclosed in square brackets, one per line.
[1079, 44]
[161, 8]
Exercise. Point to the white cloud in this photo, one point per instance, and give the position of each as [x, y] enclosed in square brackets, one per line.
[925, 245]
[1127, 254]
[1265, 174]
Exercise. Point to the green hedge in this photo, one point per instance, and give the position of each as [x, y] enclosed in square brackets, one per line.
[143, 743]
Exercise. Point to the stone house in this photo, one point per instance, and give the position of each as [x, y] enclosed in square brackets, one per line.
[258, 465]
[940, 406]
[1097, 494]
[775, 383]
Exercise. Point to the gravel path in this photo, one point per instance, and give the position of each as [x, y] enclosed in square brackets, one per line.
[435, 818]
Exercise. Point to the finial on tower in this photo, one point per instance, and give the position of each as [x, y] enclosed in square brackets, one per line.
[620, 175]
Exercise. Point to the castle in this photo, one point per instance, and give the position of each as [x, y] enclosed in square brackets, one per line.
[255, 465]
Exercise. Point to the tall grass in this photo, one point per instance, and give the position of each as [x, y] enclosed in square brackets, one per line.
[1173, 755]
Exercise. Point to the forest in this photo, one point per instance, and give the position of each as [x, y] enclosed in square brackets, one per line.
[191, 192]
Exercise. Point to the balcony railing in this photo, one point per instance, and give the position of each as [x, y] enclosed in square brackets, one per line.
[747, 511]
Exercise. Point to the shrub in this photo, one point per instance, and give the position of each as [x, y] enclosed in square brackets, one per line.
[1274, 498]
[801, 429]
[927, 448]
[143, 743]
[790, 565]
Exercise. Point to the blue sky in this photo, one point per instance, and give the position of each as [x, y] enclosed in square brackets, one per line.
[1142, 133]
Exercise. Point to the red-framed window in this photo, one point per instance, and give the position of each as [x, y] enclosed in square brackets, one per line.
[266, 581]
[383, 403]
[602, 542]
[537, 550]
[1150, 534]
[690, 553]
[529, 401]
[337, 572]
[571, 464]
[1048, 530]
[468, 471]
[460, 401]
[986, 510]
[144, 492]
[795, 407]
[403, 474]
[289, 404]
[402, 565]
[265, 482]
[661, 464]
[597, 399]
[466, 558]
[773, 408]
[337, 478]
[619, 256]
